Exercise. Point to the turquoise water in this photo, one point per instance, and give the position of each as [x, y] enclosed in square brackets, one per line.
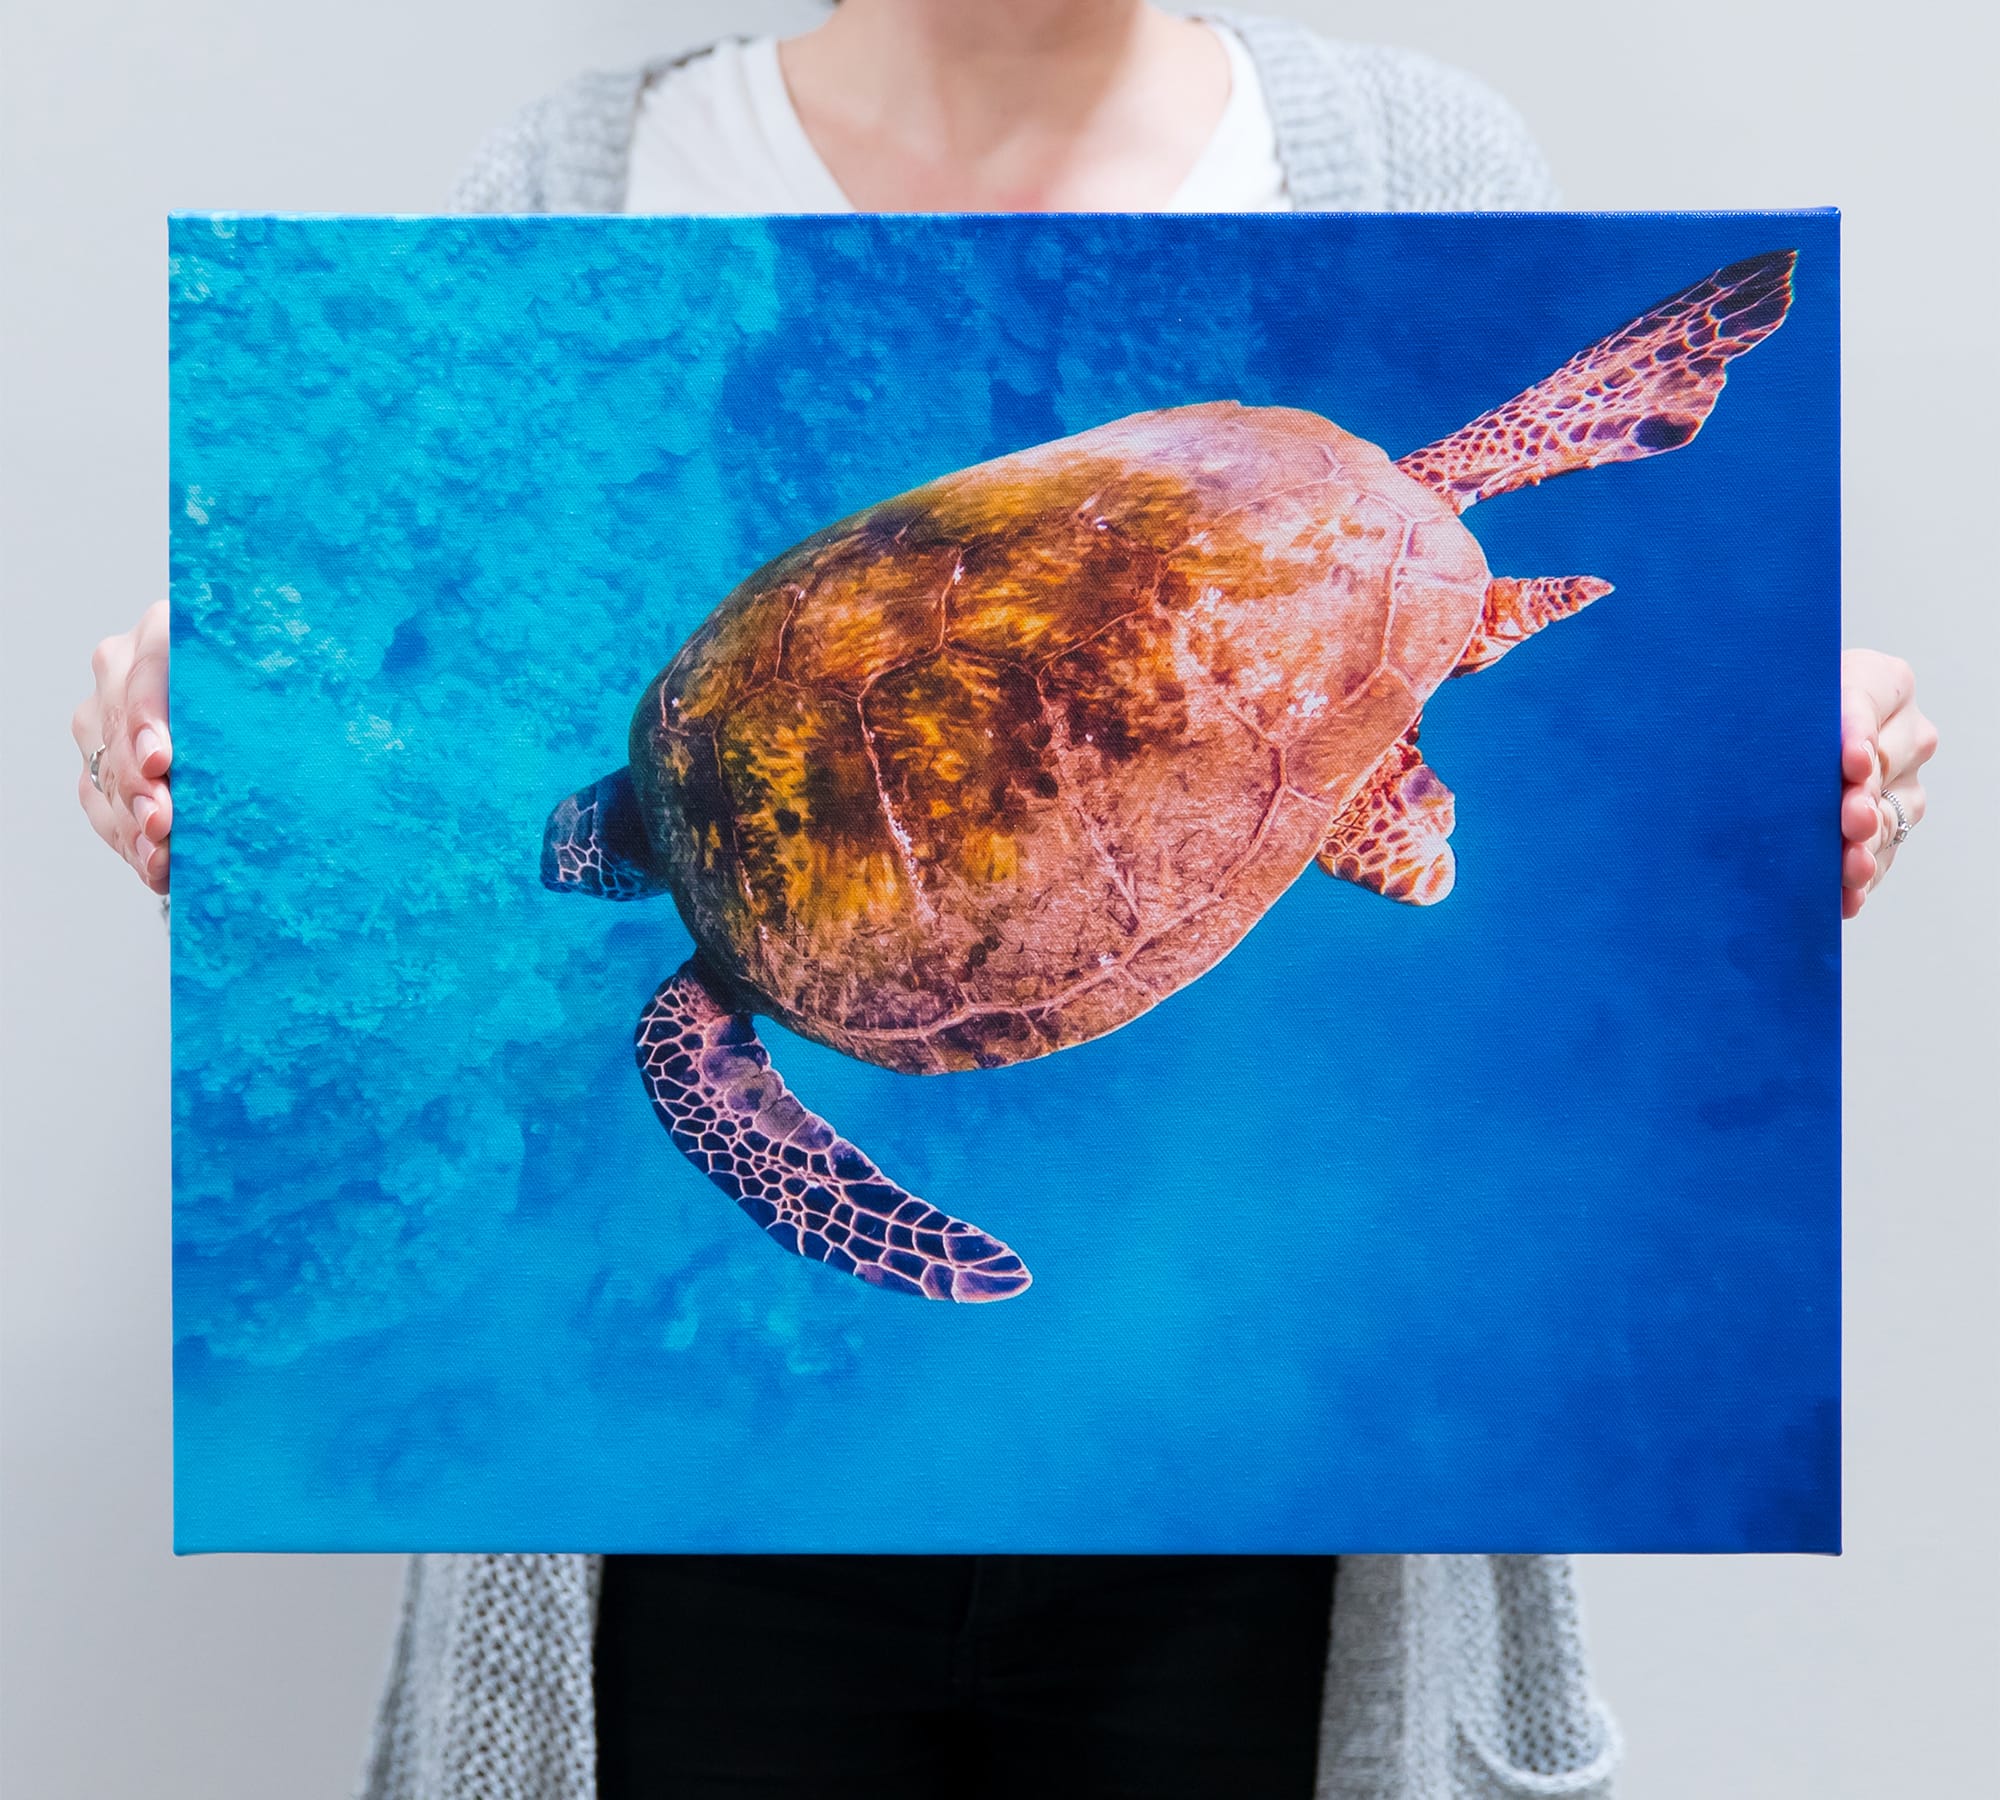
[1507, 1224]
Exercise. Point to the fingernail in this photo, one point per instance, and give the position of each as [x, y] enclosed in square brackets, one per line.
[149, 744]
[143, 810]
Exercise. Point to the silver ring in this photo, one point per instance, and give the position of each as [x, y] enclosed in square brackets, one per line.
[96, 757]
[1902, 818]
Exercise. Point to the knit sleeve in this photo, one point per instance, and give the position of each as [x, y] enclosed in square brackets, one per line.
[1450, 143]
[564, 153]
[507, 173]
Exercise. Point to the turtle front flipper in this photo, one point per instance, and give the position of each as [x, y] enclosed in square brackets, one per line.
[595, 842]
[732, 1116]
[1646, 388]
[1391, 836]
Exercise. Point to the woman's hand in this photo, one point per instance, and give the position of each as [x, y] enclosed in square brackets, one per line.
[1884, 740]
[129, 805]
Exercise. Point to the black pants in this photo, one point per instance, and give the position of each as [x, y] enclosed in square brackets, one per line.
[960, 1677]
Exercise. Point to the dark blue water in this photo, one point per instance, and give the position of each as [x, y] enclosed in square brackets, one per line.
[1506, 1224]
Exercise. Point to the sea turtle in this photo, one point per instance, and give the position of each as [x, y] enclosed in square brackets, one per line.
[992, 767]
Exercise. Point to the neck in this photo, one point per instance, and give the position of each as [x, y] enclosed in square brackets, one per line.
[1006, 103]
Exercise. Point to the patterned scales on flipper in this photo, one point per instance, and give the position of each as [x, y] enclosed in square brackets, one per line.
[1646, 388]
[1516, 610]
[1391, 835]
[732, 1116]
[595, 841]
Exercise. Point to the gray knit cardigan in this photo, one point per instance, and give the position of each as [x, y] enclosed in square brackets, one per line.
[1448, 1677]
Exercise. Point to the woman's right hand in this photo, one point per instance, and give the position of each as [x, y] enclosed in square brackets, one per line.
[129, 806]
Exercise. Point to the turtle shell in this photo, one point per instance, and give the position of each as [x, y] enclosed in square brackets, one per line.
[995, 765]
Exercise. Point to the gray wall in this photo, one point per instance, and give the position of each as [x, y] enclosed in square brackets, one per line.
[126, 1672]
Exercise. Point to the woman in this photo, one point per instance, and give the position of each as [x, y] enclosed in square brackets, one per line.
[1433, 1676]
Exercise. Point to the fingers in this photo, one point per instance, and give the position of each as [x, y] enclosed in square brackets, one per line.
[1858, 765]
[1860, 816]
[154, 817]
[1869, 820]
[115, 825]
[154, 871]
[1874, 689]
[1860, 725]
[151, 748]
[1884, 740]
[1910, 796]
[129, 806]
[1882, 684]
[105, 819]
[146, 695]
[1907, 742]
[1866, 857]
[108, 663]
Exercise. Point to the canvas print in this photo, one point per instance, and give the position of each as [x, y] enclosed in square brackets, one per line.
[1005, 861]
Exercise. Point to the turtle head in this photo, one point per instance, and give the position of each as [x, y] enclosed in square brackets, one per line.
[595, 843]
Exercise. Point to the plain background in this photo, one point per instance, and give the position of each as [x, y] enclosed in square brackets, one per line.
[126, 1672]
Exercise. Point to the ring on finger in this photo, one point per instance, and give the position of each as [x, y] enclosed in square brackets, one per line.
[1894, 803]
[96, 763]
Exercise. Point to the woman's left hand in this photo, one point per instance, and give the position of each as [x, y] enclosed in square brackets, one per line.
[128, 796]
[1884, 740]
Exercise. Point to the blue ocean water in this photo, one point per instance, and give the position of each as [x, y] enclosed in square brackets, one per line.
[1506, 1224]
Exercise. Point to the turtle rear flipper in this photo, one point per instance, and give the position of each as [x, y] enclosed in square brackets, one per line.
[1391, 837]
[732, 1116]
[1645, 389]
[595, 842]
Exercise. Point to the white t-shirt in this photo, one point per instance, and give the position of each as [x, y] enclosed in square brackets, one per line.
[719, 134]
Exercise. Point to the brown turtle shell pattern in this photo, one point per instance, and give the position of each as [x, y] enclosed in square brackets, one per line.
[994, 766]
